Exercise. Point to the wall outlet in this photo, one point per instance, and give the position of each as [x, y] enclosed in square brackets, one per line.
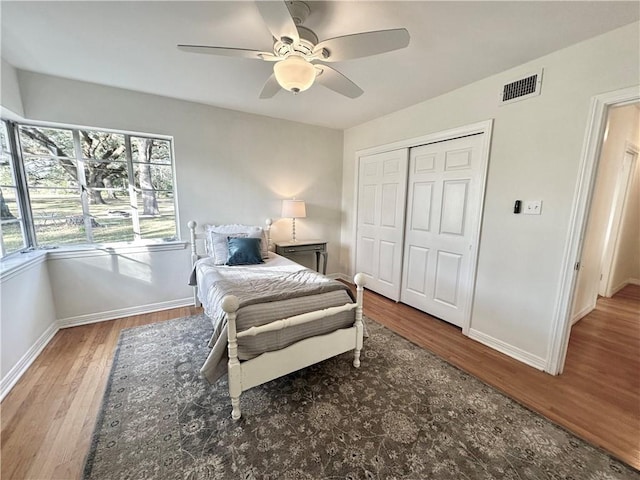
[532, 207]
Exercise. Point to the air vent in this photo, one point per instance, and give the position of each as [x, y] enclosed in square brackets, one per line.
[526, 87]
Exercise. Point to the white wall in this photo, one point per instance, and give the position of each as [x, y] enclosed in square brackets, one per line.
[97, 285]
[535, 155]
[27, 319]
[10, 97]
[626, 263]
[230, 166]
[621, 129]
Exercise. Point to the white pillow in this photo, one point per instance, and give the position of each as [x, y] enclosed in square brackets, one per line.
[216, 239]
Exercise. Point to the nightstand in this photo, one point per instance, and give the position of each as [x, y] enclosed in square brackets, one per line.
[298, 247]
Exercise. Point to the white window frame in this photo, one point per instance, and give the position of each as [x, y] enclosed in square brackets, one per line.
[22, 187]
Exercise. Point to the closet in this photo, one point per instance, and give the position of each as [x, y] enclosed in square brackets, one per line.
[419, 211]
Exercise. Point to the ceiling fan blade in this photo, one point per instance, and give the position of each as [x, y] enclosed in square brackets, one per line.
[271, 87]
[278, 19]
[362, 44]
[225, 51]
[334, 80]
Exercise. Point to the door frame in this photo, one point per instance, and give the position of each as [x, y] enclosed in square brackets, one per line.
[615, 221]
[484, 127]
[583, 192]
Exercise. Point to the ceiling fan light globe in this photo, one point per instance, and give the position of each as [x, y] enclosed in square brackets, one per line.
[294, 73]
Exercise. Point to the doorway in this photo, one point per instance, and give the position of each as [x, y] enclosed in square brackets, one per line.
[609, 259]
[595, 134]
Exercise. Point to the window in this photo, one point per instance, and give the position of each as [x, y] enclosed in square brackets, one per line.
[91, 186]
[12, 231]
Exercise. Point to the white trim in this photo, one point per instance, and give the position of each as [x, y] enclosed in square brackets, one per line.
[340, 276]
[123, 312]
[484, 127]
[624, 283]
[19, 263]
[507, 349]
[19, 369]
[584, 312]
[102, 250]
[617, 215]
[441, 136]
[558, 340]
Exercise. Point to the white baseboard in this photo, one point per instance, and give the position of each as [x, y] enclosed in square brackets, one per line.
[510, 350]
[123, 312]
[19, 369]
[341, 276]
[11, 378]
[582, 313]
[621, 285]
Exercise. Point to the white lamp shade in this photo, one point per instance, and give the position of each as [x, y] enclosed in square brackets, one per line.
[293, 209]
[294, 73]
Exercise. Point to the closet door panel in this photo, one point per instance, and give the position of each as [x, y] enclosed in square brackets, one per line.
[443, 211]
[382, 188]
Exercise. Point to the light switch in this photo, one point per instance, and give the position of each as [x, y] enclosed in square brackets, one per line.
[532, 207]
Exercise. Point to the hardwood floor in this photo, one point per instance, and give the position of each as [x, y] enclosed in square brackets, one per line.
[48, 417]
[597, 397]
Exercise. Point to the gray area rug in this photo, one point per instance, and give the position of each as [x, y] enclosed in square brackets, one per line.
[404, 413]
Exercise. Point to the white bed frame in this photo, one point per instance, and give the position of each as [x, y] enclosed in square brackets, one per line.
[246, 374]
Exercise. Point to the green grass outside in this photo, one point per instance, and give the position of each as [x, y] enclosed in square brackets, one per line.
[53, 220]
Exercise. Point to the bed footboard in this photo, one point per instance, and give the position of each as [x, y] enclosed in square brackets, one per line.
[247, 374]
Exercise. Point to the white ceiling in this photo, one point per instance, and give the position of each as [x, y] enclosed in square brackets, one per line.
[133, 45]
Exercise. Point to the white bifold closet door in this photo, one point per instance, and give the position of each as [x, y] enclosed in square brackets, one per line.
[382, 187]
[444, 201]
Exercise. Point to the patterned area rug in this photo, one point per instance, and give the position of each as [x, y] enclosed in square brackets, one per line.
[404, 413]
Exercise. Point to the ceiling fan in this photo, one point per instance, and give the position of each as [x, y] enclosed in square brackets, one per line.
[299, 59]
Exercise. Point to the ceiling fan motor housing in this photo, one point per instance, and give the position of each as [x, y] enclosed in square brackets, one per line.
[299, 11]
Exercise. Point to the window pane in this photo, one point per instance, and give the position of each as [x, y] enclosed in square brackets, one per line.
[156, 177]
[12, 236]
[161, 225]
[102, 145]
[4, 141]
[46, 141]
[9, 209]
[57, 217]
[113, 220]
[107, 176]
[150, 150]
[51, 172]
[6, 176]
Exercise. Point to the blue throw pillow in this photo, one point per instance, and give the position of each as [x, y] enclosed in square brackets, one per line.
[244, 251]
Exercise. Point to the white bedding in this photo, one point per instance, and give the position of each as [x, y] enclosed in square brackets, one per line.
[262, 300]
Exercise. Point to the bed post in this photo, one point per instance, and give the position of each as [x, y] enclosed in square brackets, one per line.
[268, 222]
[360, 281]
[230, 306]
[194, 256]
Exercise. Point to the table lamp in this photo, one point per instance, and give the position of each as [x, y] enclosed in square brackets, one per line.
[293, 209]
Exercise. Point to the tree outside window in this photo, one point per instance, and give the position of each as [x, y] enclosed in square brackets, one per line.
[91, 186]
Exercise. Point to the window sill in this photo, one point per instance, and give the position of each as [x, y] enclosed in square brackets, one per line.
[115, 249]
[19, 262]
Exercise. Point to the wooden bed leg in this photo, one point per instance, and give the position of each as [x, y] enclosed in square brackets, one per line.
[360, 281]
[230, 305]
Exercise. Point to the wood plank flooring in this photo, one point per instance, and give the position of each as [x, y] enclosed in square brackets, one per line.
[48, 417]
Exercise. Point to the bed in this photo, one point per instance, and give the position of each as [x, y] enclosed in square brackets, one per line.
[270, 316]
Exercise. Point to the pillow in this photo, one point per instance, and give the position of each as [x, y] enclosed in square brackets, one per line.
[244, 251]
[219, 249]
[232, 230]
